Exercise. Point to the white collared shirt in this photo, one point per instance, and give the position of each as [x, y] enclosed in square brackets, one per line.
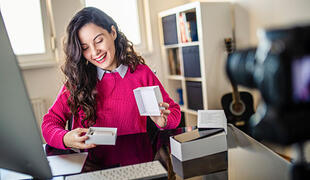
[121, 69]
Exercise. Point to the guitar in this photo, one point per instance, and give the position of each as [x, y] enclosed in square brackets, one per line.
[238, 106]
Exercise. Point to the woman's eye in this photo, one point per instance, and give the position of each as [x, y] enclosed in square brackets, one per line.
[84, 48]
[99, 41]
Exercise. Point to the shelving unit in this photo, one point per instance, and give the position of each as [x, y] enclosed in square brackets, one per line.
[193, 54]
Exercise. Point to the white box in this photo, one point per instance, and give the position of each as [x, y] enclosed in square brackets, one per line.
[148, 99]
[101, 136]
[212, 119]
[196, 144]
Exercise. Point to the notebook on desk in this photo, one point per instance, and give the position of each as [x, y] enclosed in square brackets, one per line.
[60, 165]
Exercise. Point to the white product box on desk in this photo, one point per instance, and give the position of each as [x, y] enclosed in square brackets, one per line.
[203, 141]
[101, 136]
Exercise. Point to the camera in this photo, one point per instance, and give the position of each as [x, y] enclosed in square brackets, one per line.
[279, 68]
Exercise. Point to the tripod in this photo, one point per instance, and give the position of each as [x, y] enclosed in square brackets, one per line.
[300, 168]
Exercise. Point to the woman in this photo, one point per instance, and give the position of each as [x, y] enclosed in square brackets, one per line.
[102, 69]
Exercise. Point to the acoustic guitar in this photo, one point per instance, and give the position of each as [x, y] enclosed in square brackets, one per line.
[238, 106]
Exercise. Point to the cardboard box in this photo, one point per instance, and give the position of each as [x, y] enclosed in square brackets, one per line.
[148, 99]
[101, 136]
[198, 143]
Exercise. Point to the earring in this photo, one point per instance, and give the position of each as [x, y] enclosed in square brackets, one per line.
[86, 63]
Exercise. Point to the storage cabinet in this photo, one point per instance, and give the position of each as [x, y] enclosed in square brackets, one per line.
[193, 54]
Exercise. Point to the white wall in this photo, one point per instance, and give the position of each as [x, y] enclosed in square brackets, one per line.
[272, 13]
[46, 82]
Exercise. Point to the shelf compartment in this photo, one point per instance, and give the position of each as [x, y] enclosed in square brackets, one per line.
[174, 61]
[191, 61]
[170, 29]
[193, 79]
[172, 46]
[193, 112]
[175, 91]
[188, 26]
[196, 43]
[194, 95]
[190, 119]
[175, 77]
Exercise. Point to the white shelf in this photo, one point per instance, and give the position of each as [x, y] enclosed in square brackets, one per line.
[213, 24]
[172, 46]
[193, 112]
[190, 111]
[182, 108]
[175, 77]
[193, 79]
[194, 43]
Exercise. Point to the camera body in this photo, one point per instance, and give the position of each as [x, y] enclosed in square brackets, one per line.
[280, 69]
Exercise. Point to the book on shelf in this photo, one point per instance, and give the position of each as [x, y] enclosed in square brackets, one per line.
[188, 27]
[192, 25]
[174, 62]
[177, 62]
[172, 67]
[182, 20]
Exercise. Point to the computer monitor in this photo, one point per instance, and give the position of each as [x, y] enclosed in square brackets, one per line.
[21, 147]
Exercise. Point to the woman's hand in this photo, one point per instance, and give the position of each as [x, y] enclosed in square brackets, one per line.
[76, 139]
[161, 120]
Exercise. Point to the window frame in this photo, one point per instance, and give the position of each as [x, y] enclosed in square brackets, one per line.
[47, 59]
[146, 45]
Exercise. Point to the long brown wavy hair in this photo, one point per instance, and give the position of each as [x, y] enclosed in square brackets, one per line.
[81, 77]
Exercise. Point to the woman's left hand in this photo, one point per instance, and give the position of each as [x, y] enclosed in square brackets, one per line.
[161, 120]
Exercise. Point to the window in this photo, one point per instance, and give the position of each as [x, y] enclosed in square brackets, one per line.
[132, 18]
[28, 29]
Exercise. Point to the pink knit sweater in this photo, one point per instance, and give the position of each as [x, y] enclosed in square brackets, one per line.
[116, 106]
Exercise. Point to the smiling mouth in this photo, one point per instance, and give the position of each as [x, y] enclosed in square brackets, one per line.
[101, 58]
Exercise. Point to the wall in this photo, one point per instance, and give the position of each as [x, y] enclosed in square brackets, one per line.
[46, 82]
[272, 13]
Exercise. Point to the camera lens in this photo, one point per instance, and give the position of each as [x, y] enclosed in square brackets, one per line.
[240, 67]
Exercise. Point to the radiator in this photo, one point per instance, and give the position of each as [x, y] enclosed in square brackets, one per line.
[39, 109]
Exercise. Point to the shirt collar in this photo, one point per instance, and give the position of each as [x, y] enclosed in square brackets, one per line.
[121, 69]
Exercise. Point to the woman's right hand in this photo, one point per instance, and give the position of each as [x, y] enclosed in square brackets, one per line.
[76, 139]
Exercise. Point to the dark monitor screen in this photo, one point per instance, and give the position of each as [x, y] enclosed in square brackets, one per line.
[301, 80]
[20, 141]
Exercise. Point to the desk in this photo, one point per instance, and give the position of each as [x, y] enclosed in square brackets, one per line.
[245, 159]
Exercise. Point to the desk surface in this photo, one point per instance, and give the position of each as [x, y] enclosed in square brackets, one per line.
[245, 159]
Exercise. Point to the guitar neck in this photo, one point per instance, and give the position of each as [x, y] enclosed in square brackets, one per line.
[230, 49]
[235, 94]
